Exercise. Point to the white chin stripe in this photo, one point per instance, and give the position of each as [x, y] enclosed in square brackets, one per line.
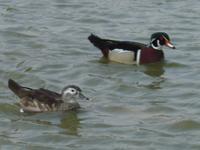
[138, 57]
[158, 47]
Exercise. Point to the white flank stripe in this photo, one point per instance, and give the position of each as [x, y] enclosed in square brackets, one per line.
[138, 57]
[120, 50]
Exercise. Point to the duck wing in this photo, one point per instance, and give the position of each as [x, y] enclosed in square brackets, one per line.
[42, 95]
[46, 96]
[106, 44]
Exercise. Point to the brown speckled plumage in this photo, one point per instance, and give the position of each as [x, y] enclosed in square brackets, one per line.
[42, 100]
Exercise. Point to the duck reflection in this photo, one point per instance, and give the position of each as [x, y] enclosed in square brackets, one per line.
[70, 122]
[156, 84]
[155, 69]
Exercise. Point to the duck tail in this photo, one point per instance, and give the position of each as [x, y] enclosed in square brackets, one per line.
[99, 43]
[16, 88]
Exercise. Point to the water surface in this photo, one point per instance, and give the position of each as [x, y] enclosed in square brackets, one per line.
[44, 44]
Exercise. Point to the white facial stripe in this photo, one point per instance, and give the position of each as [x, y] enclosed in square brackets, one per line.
[154, 47]
[159, 47]
[152, 40]
[158, 43]
[138, 57]
[165, 38]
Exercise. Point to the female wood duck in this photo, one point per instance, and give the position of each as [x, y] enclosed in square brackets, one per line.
[43, 100]
[133, 52]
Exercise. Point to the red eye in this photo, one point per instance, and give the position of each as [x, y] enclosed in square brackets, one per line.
[161, 38]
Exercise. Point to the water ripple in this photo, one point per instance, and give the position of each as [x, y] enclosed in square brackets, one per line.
[156, 106]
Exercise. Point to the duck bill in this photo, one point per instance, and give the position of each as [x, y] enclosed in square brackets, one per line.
[169, 44]
[83, 97]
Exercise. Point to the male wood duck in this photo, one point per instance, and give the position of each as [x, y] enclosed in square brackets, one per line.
[133, 52]
[43, 100]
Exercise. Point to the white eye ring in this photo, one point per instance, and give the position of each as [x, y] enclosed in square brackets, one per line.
[71, 91]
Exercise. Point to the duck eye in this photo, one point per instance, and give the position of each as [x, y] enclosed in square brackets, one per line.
[161, 38]
[73, 90]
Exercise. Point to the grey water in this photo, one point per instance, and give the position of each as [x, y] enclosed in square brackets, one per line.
[149, 107]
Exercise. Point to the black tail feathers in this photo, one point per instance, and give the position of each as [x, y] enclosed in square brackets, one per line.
[97, 41]
[100, 43]
[13, 85]
[16, 88]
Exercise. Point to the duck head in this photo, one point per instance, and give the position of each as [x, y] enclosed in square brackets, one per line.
[71, 93]
[160, 39]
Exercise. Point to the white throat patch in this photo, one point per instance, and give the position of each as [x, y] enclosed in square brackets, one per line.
[158, 47]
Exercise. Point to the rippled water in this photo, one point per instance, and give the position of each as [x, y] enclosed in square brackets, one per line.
[44, 44]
